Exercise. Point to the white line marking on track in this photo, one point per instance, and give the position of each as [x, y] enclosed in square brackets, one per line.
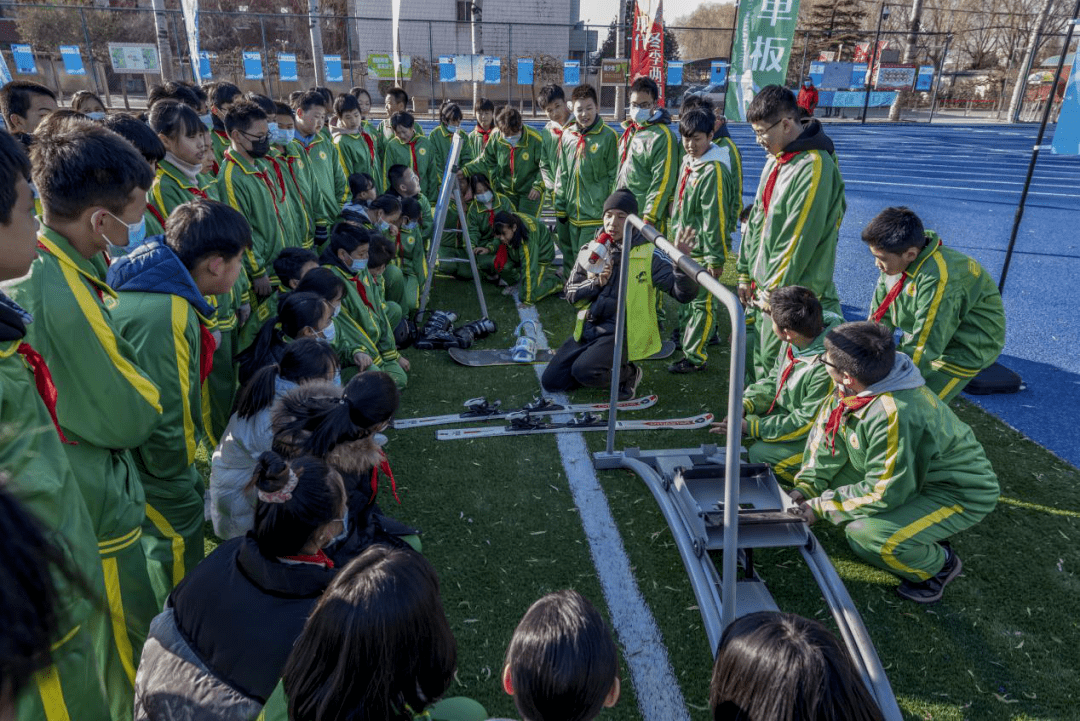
[658, 693]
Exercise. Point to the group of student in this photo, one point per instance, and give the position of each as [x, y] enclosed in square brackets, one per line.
[234, 271]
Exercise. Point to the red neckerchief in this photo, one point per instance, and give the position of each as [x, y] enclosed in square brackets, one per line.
[783, 378]
[894, 292]
[847, 404]
[44, 382]
[101, 296]
[766, 195]
[207, 346]
[362, 291]
[384, 466]
[319, 558]
[627, 136]
[682, 183]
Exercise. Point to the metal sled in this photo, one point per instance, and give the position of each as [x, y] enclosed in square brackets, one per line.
[735, 508]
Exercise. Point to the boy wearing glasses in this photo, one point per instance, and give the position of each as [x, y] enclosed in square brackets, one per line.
[649, 153]
[793, 227]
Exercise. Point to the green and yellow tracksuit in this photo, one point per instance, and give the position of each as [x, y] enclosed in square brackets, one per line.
[781, 407]
[792, 232]
[701, 203]
[585, 176]
[528, 265]
[329, 186]
[649, 158]
[248, 188]
[735, 202]
[164, 320]
[950, 313]
[357, 153]
[478, 139]
[107, 405]
[440, 141]
[39, 476]
[514, 170]
[366, 327]
[903, 471]
[415, 154]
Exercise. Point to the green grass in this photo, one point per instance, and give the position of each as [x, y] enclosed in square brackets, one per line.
[500, 526]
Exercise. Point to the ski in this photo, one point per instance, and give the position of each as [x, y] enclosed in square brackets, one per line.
[480, 409]
[524, 424]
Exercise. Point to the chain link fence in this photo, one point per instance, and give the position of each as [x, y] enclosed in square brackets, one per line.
[364, 46]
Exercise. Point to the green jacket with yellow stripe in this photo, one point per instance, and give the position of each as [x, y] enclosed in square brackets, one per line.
[649, 165]
[904, 443]
[702, 195]
[106, 403]
[800, 397]
[358, 153]
[793, 241]
[329, 186]
[514, 170]
[246, 187]
[949, 311]
[585, 172]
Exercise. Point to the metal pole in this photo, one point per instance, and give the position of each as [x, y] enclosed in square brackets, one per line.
[266, 54]
[873, 61]
[941, 71]
[1038, 145]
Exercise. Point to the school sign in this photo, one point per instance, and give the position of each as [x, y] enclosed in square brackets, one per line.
[762, 50]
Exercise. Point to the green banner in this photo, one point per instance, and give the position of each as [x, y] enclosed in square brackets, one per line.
[761, 53]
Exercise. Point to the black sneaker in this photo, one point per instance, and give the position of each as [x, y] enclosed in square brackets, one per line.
[628, 388]
[932, 589]
[685, 366]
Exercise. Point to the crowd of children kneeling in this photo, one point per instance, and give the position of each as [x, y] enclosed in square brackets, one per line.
[237, 271]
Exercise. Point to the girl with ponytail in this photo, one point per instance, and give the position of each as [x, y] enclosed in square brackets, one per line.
[220, 646]
[231, 499]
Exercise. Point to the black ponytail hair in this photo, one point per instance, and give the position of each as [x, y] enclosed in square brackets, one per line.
[296, 311]
[506, 219]
[322, 422]
[304, 359]
[283, 529]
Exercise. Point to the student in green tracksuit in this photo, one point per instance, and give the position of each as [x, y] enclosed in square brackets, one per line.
[522, 257]
[484, 115]
[888, 458]
[347, 257]
[793, 228]
[94, 368]
[649, 153]
[245, 184]
[705, 182]
[38, 474]
[329, 186]
[357, 150]
[511, 160]
[946, 306]
[442, 137]
[409, 148]
[587, 165]
[722, 137]
[162, 313]
[781, 407]
[480, 215]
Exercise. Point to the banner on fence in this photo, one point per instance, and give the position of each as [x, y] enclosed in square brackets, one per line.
[925, 81]
[762, 51]
[647, 46]
[571, 70]
[334, 71]
[1067, 134]
[674, 72]
[492, 70]
[73, 64]
[190, 9]
[5, 73]
[381, 66]
[205, 71]
[286, 66]
[23, 55]
[525, 71]
[613, 71]
[133, 58]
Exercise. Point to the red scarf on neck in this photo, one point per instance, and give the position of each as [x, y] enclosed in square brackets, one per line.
[894, 292]
[766, 195]
[783, 378]
[847, 404]
[44, 382]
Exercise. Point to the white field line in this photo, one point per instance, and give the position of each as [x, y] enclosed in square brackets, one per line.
[658, 693]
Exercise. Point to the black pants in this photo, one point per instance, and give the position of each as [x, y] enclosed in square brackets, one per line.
[578, 364]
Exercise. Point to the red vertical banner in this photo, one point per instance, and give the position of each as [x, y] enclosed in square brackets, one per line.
[647, 49]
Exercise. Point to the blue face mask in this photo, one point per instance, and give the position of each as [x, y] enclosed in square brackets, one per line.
[358, 265]
[135, 236]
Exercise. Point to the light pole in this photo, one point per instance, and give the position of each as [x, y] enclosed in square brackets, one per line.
[883, 15]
